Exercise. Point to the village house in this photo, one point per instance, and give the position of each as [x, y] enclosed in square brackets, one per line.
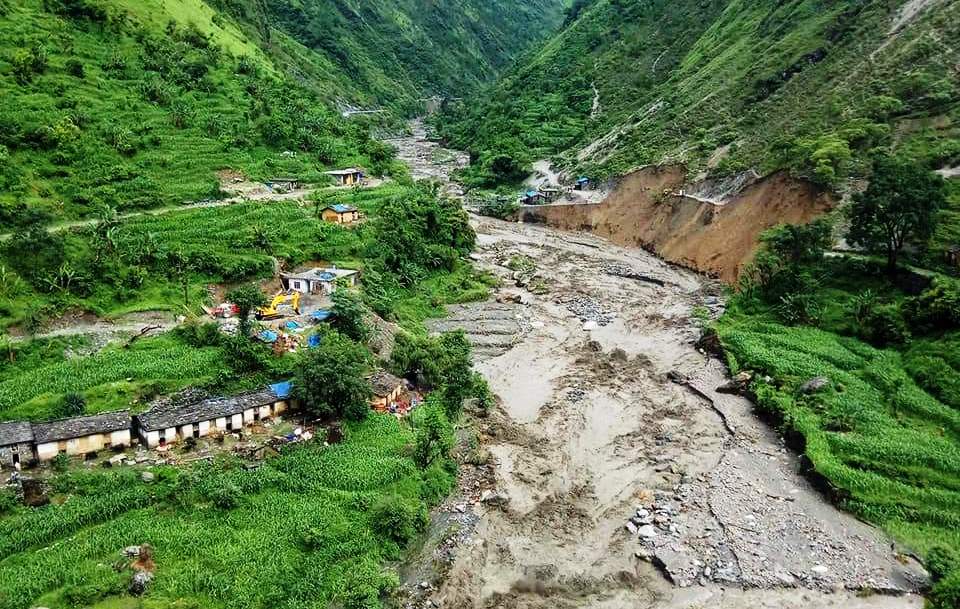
[340, 214]
[347, 177]
[387, 391]
[16, 444]
[162, 426]
[82, 435]
[283, 185]
[583, 184]
[318, 281]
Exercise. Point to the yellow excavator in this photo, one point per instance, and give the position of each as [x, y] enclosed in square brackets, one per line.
[286, 300]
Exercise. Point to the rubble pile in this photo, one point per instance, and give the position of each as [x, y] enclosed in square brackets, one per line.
[587, 310]
[665, 541]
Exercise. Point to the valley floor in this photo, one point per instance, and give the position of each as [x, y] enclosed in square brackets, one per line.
[591, 427]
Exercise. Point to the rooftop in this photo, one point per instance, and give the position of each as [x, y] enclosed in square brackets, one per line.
[344, 172]
[156, 419]
[340, 208]
[384, 383]
[15, 433]
[320, 274]
[78, 427]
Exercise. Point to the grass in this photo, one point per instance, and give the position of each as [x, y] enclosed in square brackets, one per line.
[303, 518]
[886, 435]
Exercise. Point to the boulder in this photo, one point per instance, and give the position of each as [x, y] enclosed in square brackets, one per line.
[148, 477]
[738, 385]
[815, 385]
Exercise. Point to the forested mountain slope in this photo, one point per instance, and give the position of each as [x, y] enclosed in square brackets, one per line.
[135, 104]
[810, 85]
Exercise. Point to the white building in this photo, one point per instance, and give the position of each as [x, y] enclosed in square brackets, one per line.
[318, 281]
[82, 435]
[161, 426]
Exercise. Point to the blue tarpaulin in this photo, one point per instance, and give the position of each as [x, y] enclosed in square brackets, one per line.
[313, 341]
[282, 390]
[268, 336]
[292, 325]
[321, 315]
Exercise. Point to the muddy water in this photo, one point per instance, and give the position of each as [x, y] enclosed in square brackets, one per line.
[591, 427]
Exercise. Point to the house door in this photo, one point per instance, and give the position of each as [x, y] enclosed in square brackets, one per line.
[16, 458]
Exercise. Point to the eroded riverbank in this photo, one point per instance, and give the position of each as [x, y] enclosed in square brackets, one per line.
[612, 474]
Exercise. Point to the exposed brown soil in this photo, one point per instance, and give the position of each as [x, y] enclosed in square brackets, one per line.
[648, 210]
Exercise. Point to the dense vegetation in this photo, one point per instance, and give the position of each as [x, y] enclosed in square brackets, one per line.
[318, 523]
[885, 431]
[128, 105]
[805, 85]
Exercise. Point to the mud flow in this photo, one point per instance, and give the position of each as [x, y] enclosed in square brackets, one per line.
[617, 476]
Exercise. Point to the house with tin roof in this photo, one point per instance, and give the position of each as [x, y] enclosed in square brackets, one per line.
[79, 436]
[347, 177]
[340, 214]
[169, 424]
[318, 280]
[16, 444]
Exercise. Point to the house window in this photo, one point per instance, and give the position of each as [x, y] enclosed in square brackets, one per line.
[296, 285]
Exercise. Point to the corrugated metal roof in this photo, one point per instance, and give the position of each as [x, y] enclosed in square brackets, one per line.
[78, 427]
[341, 208]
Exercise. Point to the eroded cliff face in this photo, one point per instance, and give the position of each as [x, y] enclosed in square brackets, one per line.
[648, 209]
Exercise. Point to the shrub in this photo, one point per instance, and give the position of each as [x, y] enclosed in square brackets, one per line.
[937, 308]
[398, 519]
[883, 325]
[75, 68]
[8, 501]
[946, 592]
[941, 561]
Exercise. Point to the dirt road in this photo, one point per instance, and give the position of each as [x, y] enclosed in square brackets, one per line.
[601, 422]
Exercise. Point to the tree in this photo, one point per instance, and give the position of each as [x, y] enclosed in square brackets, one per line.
[247, 298]
[331, 379]
[348, 315]
[899, 207]
[797, 244]
[434, 435]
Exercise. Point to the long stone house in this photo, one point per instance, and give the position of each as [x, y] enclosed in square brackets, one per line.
[16, 444]
[82, 435]
[161, 426]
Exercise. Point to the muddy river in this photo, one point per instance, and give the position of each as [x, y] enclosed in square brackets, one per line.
[615, 475]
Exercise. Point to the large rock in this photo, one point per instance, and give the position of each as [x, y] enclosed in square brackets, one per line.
[738, 385]
[815, 385]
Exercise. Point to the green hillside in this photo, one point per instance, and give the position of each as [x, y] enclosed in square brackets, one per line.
[808, 85]
[136, 104]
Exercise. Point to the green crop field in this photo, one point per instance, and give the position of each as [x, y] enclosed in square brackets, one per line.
[301, 530]
[885, 434]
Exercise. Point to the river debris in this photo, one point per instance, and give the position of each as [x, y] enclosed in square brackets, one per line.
[587, 310]
[622, 270]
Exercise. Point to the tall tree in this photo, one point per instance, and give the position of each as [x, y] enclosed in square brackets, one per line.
[247, 298]
[331, 380]
[899, 207]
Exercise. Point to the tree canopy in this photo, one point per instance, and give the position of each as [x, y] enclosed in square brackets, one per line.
[331, 379]
[899, 207]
